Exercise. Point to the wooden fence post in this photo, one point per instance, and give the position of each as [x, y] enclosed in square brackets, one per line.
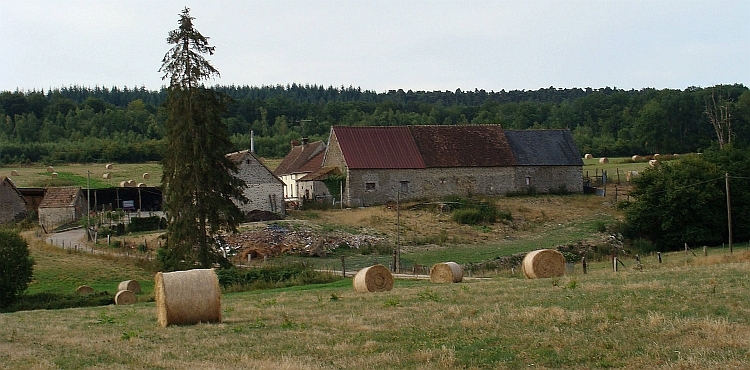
[585, 265]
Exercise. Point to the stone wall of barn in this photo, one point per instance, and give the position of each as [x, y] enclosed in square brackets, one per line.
[51, 218]
[264, 191]
[12, 205]
[379, 186]
[546, 178]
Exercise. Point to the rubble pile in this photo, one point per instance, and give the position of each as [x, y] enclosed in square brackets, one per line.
[275, 240]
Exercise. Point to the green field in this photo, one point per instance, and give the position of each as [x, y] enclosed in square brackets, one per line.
[688, 312]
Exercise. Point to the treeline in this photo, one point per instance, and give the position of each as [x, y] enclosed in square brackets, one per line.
[81, 124]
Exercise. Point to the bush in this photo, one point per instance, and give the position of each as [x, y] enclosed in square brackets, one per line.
[16, 266]
[271, 277]
[138, 224]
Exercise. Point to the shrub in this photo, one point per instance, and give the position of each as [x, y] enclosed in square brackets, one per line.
[146, 224]
[16, 266]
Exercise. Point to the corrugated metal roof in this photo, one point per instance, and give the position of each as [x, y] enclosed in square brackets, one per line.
[373, 147]
[60, 197]
[299, 157]
[544, 147]
[463, 146]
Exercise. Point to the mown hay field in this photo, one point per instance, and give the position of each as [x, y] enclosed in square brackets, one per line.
[688, 312]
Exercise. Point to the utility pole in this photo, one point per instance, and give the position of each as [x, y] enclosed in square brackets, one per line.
[398, 231]
[88, 204]
[729, 211]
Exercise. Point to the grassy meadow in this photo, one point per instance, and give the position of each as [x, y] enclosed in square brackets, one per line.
[688, 312]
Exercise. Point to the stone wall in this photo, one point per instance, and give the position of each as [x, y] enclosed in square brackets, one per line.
[264, 191]
[12, 205]
[378, 186]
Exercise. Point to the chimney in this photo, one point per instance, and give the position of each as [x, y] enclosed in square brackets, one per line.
[252, 141]
[305, 141]
[294, 143]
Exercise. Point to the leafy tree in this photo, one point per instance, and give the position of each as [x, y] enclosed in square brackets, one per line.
[16, 266]
[681, 201]
[198, 181]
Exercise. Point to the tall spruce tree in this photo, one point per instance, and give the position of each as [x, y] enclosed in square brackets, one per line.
[199, 181]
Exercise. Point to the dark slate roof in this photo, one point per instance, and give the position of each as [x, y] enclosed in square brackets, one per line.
[390, 147]
[299, 157]
[60, 197]
[544, 147]
[463, 146]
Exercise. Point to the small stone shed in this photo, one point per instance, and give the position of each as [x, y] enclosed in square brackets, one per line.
[61, 206]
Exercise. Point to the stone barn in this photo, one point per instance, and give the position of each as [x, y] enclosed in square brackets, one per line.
[61, 206]
[13, 206]
[412, 162]
[264, 190]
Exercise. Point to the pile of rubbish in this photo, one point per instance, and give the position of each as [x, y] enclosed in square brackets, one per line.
[275, 240]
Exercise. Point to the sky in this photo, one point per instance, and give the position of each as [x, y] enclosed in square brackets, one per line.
[383, 45]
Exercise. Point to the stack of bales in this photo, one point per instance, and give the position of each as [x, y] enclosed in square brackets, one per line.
[126, 292]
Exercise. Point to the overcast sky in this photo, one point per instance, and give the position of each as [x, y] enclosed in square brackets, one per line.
[383, 45]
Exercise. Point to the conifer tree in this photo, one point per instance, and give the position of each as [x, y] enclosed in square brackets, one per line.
[199, 182]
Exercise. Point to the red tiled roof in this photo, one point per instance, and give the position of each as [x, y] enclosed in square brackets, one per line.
[299, 157]
[378, 147]
[463, 146]
[60, 197]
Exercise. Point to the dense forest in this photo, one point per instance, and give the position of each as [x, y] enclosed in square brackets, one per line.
[83, 124]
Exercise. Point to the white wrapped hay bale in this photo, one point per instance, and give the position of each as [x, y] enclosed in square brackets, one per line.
[448, 272]
[543, 263]
[187, 297]
[125, 297]
[375, 278]
[131, 285]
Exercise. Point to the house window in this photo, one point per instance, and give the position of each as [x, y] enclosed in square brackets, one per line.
[404, 186]
[369, 186]
[528, 180]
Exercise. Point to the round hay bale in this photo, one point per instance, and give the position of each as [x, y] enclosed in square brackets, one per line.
[131, 183]
[14, 173]
[54, 175]
[653, 163]
[603, 160]
[588, 156]
[131, 285]
[146, 176]
[543, 263]
[448, 272]
[109, 166]
[187, 297]
[106, 176]
[657, 155]
[84, 290]
[125, 297]
[141, 185]
[123, 184]
[375, 278]
[50, 169]
[636, 158]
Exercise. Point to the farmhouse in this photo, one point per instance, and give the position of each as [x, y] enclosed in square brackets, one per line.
[13, 206]
[301, 160]
[409, 162]
[61, 206]
[264, 190]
